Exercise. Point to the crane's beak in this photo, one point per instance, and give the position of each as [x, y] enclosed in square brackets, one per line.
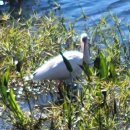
[84, 40]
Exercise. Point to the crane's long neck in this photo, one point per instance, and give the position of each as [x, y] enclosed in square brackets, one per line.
[86, 54]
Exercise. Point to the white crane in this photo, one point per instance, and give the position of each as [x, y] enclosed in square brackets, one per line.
[55, 68]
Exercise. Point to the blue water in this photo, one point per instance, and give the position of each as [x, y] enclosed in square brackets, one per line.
[72, 9]
[93, 9]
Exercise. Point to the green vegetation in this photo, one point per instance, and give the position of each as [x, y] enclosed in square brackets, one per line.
[104, 101]
[8, 98]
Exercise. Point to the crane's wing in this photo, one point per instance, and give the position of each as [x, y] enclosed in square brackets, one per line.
[55, 69]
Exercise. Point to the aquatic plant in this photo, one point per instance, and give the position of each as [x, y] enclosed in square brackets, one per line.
[103, 100]
[9, 100]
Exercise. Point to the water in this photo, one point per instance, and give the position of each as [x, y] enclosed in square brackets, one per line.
[72, 10]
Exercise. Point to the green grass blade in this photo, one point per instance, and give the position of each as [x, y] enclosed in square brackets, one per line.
[14, 105]
[67, 63]
[103, 66]
[85, 67]
[112, 71]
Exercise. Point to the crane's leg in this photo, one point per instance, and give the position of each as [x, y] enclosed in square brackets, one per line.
[60, 92]
[64, 91]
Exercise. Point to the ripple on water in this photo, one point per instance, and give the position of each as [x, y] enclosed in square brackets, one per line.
[72, 9]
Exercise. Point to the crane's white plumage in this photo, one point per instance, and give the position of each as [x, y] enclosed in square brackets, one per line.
[55, 68]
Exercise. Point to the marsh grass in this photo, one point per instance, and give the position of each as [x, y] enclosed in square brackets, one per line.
[103, 103]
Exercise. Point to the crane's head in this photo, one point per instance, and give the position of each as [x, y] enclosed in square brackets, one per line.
[84, 37]
[84, 41]
[85, 48]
